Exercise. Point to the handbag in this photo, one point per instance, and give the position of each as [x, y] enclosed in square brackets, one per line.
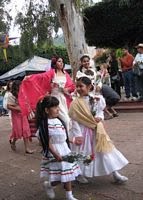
[137, 71]
[115, 77]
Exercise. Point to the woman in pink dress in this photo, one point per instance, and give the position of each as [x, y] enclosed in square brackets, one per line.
[55, 82]
[20, 125]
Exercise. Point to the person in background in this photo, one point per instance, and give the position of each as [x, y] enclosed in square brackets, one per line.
[85, 69]
[20, 125]
[128, 76]
[5, 99]
[111, 98]
[139, 62]
[2, 110]
[114, 72]
[55, 142]
[104, 75]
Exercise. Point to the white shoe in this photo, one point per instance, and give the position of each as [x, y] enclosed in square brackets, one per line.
[71, 198]
[119, 178]
[127, 99]
[81, 179]
[49, 190]
[134, 98]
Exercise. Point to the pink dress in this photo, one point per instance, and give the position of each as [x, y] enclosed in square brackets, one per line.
[38, 85]
[20, 125]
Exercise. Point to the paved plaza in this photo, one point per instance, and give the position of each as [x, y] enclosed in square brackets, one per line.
[19, 173]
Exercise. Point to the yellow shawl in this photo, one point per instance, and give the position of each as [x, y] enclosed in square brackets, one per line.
[80, 112]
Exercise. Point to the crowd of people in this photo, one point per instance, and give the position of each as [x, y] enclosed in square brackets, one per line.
[129, 75]
[69, 118]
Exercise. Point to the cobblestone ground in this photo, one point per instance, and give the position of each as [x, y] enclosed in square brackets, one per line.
[19, 173]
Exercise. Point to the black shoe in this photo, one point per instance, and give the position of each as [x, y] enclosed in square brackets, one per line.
[109, 117]
[115, 115]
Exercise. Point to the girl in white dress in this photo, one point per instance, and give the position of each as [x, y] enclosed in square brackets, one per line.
[55, 143]
[87, 115]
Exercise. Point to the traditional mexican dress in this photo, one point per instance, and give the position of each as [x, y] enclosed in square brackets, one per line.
[58, 171]
[104, 163]
[38, 85]
[20, 125]
[59, 83]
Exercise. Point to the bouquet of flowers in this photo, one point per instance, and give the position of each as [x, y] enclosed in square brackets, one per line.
[74, 157]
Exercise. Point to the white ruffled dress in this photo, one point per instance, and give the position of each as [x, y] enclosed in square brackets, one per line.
[104, 163]
[58, 171]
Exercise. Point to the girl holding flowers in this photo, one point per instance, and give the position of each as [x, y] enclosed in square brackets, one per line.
[87, 114]
[54, 139]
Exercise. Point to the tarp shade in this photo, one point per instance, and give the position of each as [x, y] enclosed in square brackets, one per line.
[34, 65]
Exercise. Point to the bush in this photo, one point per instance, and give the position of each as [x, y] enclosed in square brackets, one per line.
[110, 24]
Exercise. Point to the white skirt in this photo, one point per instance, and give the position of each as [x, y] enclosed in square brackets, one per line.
[59, 171]
[104, 163]
[63, 112]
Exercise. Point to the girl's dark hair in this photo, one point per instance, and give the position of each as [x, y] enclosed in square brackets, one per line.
[84, 56]
[81, 59]
[54, 61]
[88, 82]
[8, 85]
[85, 80]
[47, 102]
[15, 88]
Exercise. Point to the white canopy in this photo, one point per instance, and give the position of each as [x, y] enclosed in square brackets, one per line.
[35, 64]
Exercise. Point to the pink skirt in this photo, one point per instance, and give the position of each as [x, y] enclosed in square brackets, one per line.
[20, 126]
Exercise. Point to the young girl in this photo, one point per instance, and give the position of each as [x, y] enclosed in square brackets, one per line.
[105, 77]
[20, 125]
[87, 116]
[55, 143]
[85, 68]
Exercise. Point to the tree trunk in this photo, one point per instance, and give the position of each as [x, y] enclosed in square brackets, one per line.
[73, 29]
